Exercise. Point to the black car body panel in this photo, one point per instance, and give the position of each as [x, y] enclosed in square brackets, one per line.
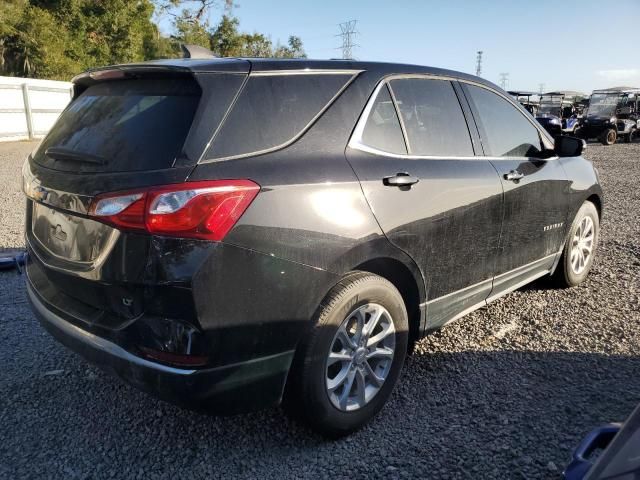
[459, 237]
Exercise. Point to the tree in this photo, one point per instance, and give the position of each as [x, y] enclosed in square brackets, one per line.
[227, 41]
[293, 49]
[190, 31]
[58, 39]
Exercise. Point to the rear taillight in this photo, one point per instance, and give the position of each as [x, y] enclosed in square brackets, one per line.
[206, 210]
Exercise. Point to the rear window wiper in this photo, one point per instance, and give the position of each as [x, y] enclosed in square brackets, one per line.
[60, 153]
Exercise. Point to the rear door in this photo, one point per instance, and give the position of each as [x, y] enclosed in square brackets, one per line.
[536, 190]
[433, 196]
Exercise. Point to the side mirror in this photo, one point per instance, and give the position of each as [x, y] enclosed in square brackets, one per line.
[566, 146]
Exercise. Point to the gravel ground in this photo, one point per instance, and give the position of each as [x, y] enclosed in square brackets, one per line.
[506, 392]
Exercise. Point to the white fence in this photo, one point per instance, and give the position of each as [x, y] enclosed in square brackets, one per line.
[29, 107]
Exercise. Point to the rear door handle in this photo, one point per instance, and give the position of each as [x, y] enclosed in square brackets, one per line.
[401, 179]
[513, 175]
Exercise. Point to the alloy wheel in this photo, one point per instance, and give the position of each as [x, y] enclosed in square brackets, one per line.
[582, 245]
[360, 357]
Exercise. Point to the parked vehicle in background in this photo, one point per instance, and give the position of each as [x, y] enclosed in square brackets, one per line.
[558, 113]
[525, 100]
[230, 233]
[613, 113]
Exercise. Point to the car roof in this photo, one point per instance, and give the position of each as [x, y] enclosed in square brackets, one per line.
[522, 93]
[245, 65]
[618, 90]
[566, 93]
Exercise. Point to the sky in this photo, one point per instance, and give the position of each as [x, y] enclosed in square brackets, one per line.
[564, 44]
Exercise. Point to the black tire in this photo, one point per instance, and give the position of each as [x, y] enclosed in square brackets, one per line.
[306, 396]
[609, 137]
[565, 276]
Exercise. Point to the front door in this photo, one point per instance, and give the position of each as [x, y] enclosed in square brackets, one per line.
[536, 190]
[433, 197]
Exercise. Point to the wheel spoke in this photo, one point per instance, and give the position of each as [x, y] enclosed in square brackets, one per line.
[345, 339]
[335, 382]
[386, 331]
[373, 376]
[380, 353]
[360, 319]
[370, 326]
[338, 357]
[344, 396]
[361, 386]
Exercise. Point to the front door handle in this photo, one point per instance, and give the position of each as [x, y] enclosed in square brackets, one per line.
[513, 175]
[401, 179]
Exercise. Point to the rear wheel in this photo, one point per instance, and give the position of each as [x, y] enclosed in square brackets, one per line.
[346, 368]
[609, 137]
[579, 250]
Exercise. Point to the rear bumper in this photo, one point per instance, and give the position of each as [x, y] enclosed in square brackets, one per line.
[227, 389]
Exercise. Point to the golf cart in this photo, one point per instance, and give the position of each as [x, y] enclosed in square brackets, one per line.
[558, 112]
[525, 100]
[612, 113]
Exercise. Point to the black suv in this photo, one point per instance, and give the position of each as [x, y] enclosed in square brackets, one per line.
[229, 234]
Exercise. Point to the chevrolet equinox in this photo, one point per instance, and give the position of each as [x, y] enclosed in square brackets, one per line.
[230, 234]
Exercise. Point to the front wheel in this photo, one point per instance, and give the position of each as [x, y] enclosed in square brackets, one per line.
[579, 250]
[346, 368]
[609, 137]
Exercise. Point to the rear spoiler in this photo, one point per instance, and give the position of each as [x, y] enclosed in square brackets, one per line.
[199, 62]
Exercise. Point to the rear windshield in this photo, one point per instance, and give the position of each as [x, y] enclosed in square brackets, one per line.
[122, 125]
[272, 110]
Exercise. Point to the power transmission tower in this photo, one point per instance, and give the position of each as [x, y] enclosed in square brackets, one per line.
[479, 63]
[541, 85]
[348, 33]
[504, 80]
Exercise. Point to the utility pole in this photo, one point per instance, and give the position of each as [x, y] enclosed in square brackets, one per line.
[504, 80]
[348, 33]
[479, 63]
[541, 85]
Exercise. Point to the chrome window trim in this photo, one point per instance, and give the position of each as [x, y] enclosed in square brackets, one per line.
[356, 142]
[353, 73]
[541, 131]
[403, 127]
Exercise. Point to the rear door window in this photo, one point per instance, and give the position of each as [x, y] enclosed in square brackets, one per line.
[432, 117]
[273, 109]
[123, 125]
[382, 130]
[505, 130]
